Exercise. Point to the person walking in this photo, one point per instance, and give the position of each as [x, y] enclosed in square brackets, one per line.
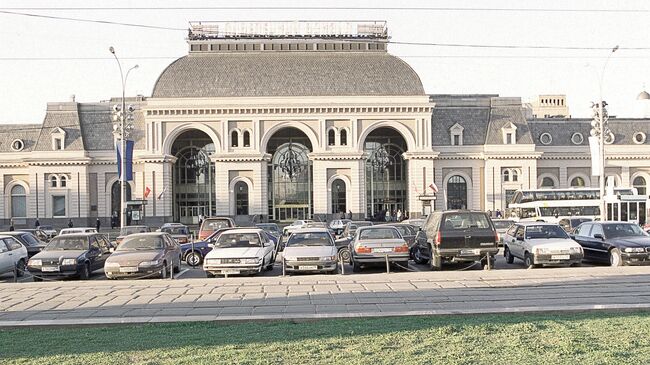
[399, 215]
[11, 226]
[387, 215]
[70, 224]
[498, 213]
[349, 214]
[98, 224]
[37, 223]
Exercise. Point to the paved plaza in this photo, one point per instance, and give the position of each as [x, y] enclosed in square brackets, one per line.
[324, 296]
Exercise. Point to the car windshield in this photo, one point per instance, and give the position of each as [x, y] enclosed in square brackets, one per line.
[213, 225]
[379, 234]
[176, 230]
[136, 243]
[269, 228]
[231, 240]
[67, 243]
[49, 228]
[131, 230]
[310, 239]
[622, 230]
[405, 230]
[465, 220]
[545, 231]
[502, 224]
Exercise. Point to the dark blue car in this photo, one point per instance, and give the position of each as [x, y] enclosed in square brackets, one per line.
[193, 254]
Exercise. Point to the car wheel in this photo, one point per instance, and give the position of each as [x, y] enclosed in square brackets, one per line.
[269, 267]
[615, 257]
[344, 255]
[194, 258]
[417, 256]
[528, 261]
[163, 271]
[85, 272]
[20, 268]
[356, 267]
[509, 258]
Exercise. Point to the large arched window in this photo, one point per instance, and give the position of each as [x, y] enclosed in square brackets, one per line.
[640, 184]
[456, 192]
[247, 139]
[331, 137]
[339, 204]
[344, 137]
[241, 198]
[578, 182]
[18, 202]
[547, 182]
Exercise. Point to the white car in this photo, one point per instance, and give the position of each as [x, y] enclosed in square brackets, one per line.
[539, 243]
[77, 230]
[310, 250]
[49, 230]
[13, 255]
[240, 251]
[294, 226]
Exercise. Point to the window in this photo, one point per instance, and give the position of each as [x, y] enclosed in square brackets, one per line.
[583, 230]
[58, 206]
[54, 182]
[247, 139]
[506, 175]
[515, 176]
[344, 137]
[509, 139]
[640, 184]
[597, 229]
[63, 181]
[234, 139]
[577, 182]
[456, 134]
[18, 201]
[639, 138]
[58, 144]
[331, 137]
[547, 182]
[456, 193]
[546, 138]
[509, 134]
[17, 145]
[509, 194]
[577, 138]
[456, 141]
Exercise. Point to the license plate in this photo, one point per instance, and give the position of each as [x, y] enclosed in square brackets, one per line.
[308, 267]
[487, 244]
[49, 268]
[560, 257]
[128, 269]
[230, 272]
[471, 252]
[382, 250]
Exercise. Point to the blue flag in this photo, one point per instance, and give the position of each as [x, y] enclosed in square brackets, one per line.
[129, 160]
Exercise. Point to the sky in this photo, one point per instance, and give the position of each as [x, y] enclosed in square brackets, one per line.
[49, 60]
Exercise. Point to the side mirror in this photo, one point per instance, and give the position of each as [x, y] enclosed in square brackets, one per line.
[599, 236]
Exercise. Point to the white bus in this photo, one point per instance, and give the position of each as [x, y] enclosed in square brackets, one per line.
[551, 205]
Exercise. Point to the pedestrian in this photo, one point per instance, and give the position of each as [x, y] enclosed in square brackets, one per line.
[399, 215]
[37, 223]
[387, 215]
[200, 220]
[98, 223]
[70, 224]
[349, 214]
[489, 212]
[498, 213]
[11, 226]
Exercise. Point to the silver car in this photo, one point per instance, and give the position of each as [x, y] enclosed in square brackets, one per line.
[310, 250]
[13, 255]
[375, 245]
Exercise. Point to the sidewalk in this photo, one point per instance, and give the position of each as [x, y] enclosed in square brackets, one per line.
[324, 296]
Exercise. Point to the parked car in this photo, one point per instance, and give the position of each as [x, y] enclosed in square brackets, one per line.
[286, 231]
[38, 233]
[351, 228]
[337, 225]
[457, 236]
[144, 255]
[570, 224]
[371, 246]
[128, 230]
[240, 251]
[310, 250]
[178, 231]
[212, 224]
[407, 231]
[13, 255]
[537, 244]
[49, 230]
[31, 243]
[193, 253]
[502, 225]
[343, 242]
[70, 255]
[615, 243]
[416, 222]
[78, 230]
[271, 228]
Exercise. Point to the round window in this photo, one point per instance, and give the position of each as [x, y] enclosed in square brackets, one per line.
[17, 145]
[577, 138]
[609, 138]
[639, 138]
[546, 138]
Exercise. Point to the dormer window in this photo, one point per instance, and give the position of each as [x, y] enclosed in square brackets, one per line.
[456, 132]
[58, 139]
[509, 134]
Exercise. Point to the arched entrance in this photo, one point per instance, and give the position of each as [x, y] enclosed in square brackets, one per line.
[289, 175]
[339, 201]
[116, 198]
[386, 173]
[456, 192]
[241, 198]
[193, 177]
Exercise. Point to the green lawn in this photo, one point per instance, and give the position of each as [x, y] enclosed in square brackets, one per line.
[593, 338]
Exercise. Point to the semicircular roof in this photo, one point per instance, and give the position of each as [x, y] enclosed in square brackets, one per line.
[288, 74]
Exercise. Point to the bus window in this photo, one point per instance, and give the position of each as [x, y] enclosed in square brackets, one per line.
[527, 197]
[528, 213]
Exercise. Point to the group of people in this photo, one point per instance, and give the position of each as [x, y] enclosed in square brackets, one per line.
[390, 216]
[37, 224]
[496, 214]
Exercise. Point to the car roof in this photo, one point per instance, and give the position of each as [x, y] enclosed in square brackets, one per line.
[2, 235]
[312, 229]
[13, 233]
[79, 234]
[69, 229]
[537, 224]
[376, 226]
[243, 230]
[148, 234]
[502, 220]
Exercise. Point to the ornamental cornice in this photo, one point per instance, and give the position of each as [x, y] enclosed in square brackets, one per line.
[322, 156]
[302, 110]
[420, 155]
[243, 157]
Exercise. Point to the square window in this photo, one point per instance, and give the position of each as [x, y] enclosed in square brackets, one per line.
[58, 206]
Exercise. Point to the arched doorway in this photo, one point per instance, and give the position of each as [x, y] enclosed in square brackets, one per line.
[116, 196]
[289, 175]
[386, 173]
[241, 198]
[193, 177]
[339, 201]
[456, 192]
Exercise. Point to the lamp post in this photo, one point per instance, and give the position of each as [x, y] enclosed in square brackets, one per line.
[122, 126]
[601, 130]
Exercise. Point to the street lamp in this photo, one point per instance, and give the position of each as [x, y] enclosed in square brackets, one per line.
[122, 127]
[602, 131]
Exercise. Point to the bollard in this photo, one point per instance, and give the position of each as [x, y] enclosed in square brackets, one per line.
[284, 267]
[192, 238]
[171, 271]
[15, 273]
[342, 265]
[489, 262]
[387, 264]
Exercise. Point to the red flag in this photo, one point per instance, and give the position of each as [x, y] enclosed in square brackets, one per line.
[146, 192]
[434, 187]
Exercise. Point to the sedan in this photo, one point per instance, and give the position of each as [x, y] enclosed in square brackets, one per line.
[144, 255]
[538, 243]
[614, 243]
[375, 245]
[240, 251]
[13, 255]
[128, 230]
[310, 250]
[33, 244]
[70, 255]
